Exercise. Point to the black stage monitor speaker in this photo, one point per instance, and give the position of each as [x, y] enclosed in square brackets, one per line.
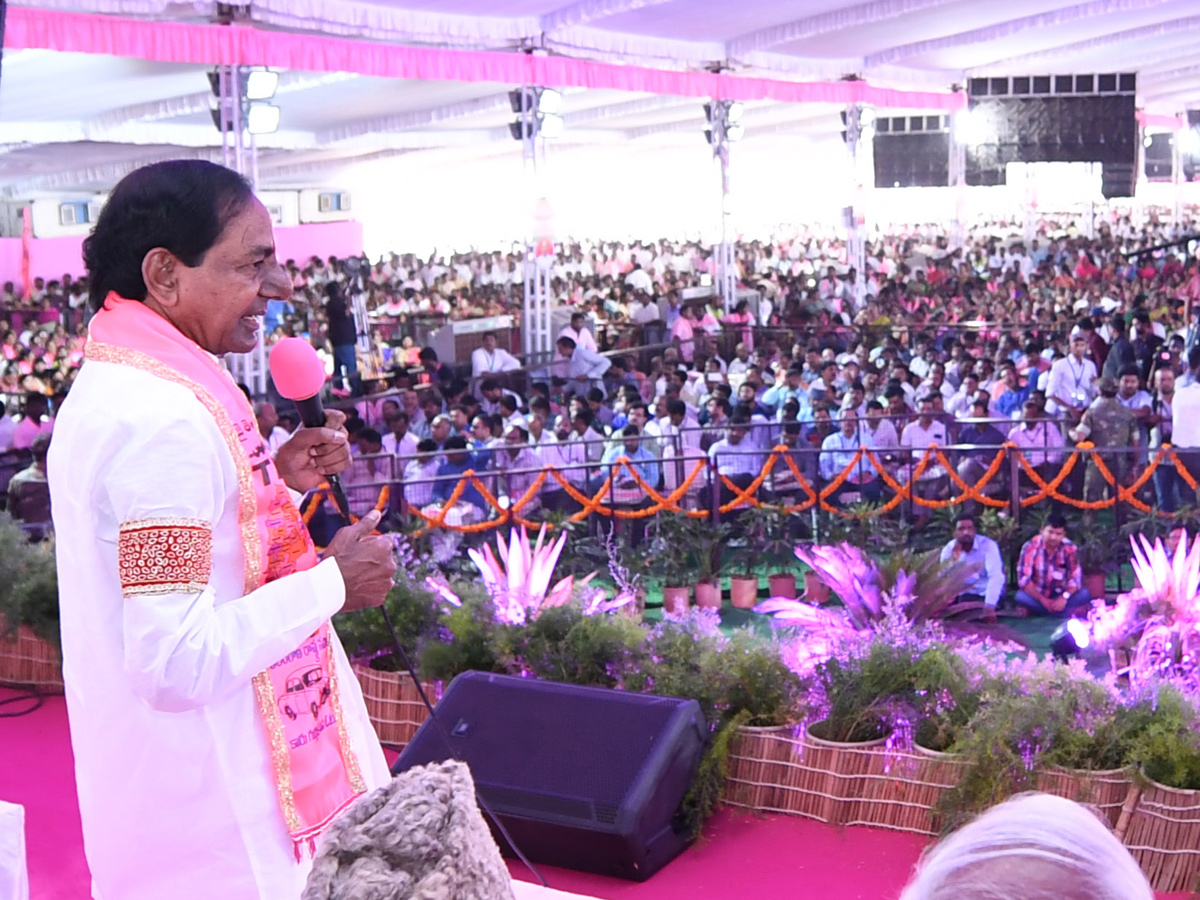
[584, 778]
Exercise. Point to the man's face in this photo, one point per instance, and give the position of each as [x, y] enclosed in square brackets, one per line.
[1174, 536]
[1053, 537]
[896, 404]
[822, 419]
[366, 448]
[1166, 381]
[1128, 386]
[743, 352]
[217, 303]
[489, 342]
[637, 416]
[1078, 347]
[631, 443]
[268, 418]
[849, 423]
[964, 533]
[397, 425]
[411, 401]
[494, 395]
[513, 440]
[926, 410]
[481, 430]
[736, 434]
[432, 408]
[440, 430]
[579, 425]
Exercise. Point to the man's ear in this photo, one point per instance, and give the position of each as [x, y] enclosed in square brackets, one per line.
[160, 272]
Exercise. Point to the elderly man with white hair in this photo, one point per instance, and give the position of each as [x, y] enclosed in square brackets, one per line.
[1032, 847]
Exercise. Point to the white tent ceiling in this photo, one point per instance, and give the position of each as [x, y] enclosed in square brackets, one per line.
[82, 121]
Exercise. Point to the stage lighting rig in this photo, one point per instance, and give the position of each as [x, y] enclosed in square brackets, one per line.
[538, 112]
[1070, 639]
[250, 86]
[723, 124]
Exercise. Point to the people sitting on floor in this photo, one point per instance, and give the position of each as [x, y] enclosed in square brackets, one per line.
[970, 547]
[1049, 577]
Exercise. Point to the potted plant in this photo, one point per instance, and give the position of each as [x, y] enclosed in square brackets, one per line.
[1097, 558]
[708, 542]
[767, 542]
[672, 561]
[1164, 823]
[29, 625]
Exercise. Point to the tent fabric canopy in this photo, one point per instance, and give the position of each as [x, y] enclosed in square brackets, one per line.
[94, 88]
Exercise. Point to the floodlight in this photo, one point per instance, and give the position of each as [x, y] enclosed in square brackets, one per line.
[735, 132]
[972, 127]
[1148, 141]
[551, 126]
[1189, 141]
[734, 112]
[261, 84]
[550, 102]
[866, 117]
[1070, 639]
[262, 118]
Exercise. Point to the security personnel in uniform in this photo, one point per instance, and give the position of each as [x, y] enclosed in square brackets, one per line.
[1107, 424]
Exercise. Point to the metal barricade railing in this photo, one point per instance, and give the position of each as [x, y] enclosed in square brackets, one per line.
[801, 479]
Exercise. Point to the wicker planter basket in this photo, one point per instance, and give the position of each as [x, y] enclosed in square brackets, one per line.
[1105, 790]
[393, 703]
[758, 765]
[1164, 837]
[29, 662]
[902, 790]
[822, 778]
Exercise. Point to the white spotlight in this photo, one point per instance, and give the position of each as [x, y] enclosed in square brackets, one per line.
[972, 127]
[1189, 141]
[263, 118]
[735, 132]
[550, 102]
[552, 126]
[734, 112]
[261, 84]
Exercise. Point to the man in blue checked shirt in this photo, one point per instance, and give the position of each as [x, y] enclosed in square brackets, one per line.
[640, 458]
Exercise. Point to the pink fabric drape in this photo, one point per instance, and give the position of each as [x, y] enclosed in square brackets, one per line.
[230, 45]
[1149, 120]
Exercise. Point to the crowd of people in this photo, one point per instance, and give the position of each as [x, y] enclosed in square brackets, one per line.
[1065, 340]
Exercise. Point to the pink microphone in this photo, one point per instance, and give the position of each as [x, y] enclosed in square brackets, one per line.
[299, 375]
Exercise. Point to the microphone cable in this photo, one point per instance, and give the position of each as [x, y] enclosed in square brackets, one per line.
[446, 740]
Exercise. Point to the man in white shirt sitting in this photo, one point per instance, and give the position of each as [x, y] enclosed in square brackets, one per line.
[916, 438]
[585, 367]
[491, 359]
[736, 458]
[399, 441]
[838, 452]
[968, 546]
[269, 428]
[578, 333]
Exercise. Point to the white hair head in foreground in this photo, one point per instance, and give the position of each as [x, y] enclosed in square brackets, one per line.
[1032, 847]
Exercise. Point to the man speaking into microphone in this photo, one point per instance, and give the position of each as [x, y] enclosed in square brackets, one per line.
[217, 727]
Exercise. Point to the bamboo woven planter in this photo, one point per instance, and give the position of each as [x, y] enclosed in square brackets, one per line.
[393, 704]
[1105, 790]
[1164, 837]
[28, 661]
[905, 795]
[758, 764]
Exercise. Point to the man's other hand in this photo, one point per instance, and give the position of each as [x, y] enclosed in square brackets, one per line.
[366, 561]
[313, 454]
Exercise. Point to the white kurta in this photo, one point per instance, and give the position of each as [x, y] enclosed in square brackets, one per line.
[172, 764]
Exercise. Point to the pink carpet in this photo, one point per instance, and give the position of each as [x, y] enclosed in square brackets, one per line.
[741, 855]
